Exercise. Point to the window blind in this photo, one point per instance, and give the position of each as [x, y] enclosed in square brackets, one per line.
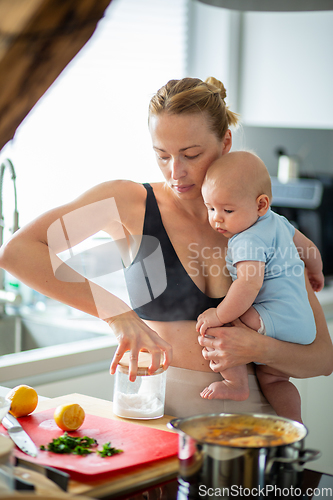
[91, 125]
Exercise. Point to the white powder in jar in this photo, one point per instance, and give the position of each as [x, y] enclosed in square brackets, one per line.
[143, 406]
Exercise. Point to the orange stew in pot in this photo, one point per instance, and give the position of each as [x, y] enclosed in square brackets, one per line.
[247, 431]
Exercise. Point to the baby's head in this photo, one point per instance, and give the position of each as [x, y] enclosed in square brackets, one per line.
[237, 191]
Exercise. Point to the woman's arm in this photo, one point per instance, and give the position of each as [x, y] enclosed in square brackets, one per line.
[31, 256]
[239, 345]
[310, 254]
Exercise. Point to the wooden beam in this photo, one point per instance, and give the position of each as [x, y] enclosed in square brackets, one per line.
[38, 38]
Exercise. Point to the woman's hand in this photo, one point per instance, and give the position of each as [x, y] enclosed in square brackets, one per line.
[135, 336]
[317, 280]
[231, 346]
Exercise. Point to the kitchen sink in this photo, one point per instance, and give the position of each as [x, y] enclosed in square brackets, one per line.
[52, 349]
[19, 334]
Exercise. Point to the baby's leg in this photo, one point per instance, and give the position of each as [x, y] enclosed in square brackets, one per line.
[251, 318]
[280, 392]
[235, 385]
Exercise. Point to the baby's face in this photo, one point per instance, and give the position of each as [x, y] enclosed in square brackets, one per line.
[229, 213]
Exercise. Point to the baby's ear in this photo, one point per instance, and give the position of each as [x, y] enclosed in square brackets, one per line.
[262, 204]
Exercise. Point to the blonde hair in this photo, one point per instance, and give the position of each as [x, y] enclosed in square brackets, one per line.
[192, 95]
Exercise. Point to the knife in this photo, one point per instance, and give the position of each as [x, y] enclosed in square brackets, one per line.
[18, 435]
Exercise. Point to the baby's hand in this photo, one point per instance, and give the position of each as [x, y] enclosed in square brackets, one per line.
[207, 319]
[317, 281]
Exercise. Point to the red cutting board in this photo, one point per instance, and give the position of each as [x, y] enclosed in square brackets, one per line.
[140, 445]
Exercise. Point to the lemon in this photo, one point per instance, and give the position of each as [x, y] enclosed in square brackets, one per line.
[24, 400]
[69, 417]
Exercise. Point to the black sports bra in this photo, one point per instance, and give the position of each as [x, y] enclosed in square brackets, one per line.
[162, 291]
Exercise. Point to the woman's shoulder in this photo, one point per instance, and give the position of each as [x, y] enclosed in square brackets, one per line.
[115, 187]
[127, 196]
[123, 187]
[124, 192]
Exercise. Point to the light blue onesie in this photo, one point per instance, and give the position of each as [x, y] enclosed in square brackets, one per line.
[282, 301]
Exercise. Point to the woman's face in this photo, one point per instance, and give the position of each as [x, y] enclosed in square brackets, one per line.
[185, 147]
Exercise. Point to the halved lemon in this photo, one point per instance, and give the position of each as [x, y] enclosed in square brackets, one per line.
[24, 400]
[69, 417]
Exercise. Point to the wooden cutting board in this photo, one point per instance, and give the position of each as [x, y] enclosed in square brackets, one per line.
[124, 480]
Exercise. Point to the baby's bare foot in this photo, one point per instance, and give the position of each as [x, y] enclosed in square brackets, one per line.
[224, 390]
[206, 393]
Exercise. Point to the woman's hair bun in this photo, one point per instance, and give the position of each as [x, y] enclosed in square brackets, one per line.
[214, 82]
[216, 86]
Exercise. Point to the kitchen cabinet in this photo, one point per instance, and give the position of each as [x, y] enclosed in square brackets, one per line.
[286, 72]
[276, 66]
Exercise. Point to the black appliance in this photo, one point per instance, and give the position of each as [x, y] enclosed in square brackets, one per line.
[308, 205]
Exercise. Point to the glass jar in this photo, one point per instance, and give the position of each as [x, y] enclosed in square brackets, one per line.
[6, 464]
[144, 398]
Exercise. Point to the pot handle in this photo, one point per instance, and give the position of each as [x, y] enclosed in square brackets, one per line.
[306, 456]
[174, 424]
[309, 455]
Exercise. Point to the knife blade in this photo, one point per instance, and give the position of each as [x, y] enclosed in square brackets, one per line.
[18, 435]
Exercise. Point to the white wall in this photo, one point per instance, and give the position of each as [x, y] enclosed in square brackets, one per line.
[214, 45]
[209, 44]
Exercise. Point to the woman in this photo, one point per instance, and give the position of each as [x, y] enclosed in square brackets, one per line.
[189, 125]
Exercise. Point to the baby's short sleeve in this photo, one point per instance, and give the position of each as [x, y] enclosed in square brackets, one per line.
[246, 246]
[289, 226]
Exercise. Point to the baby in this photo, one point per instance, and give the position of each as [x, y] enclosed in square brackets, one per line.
[268, 292]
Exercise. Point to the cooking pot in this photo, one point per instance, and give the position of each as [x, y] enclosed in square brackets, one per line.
[274, 458]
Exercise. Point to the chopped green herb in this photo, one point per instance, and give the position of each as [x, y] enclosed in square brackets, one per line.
[79, 446]
[81, 450]
[108, 451]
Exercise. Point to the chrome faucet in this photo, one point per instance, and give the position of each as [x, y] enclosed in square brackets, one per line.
[7, 297]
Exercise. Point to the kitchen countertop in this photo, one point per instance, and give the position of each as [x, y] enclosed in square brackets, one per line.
[5, 390]
[158, 478]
